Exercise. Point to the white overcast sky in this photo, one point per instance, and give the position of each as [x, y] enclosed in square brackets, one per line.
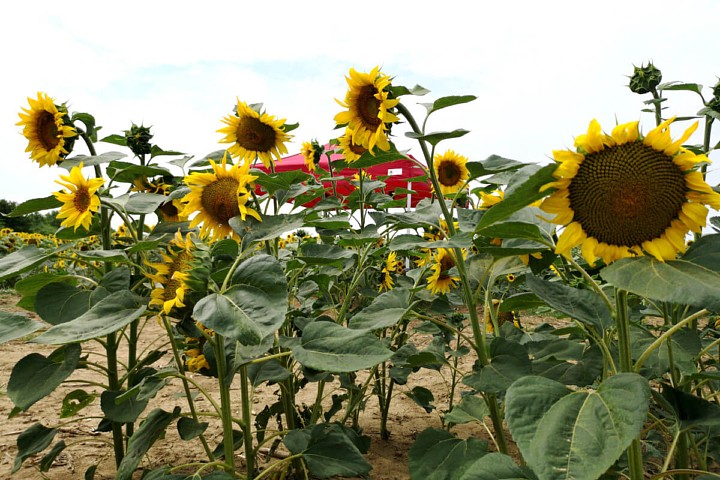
[541, 70]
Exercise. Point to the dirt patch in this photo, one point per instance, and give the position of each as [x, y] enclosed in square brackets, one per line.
[85, 447]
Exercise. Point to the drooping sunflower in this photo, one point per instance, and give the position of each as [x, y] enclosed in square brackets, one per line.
[623, 194]
[172, 274]
[451, 171]
[81, 201]
[48, 130]
[217, 197]
[311, 152]
[369, 110]
[254, 135]
[350, 150]
[441, 280]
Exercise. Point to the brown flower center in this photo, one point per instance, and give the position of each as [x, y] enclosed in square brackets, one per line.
[81, 200]
[219, 199]
[446, 263]
[171, 289]
[369, 107]
[627, 194]
[254, 135]
[47, 131]
[357, 149]
[449, 173]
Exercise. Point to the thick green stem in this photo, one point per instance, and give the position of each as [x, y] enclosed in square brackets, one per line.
[622, 323]
[225, 406]
[247, 421]
[478, 328]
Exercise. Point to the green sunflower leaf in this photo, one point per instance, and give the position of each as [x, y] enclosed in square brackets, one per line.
[445, 102]
[330, 450]
[271, 227]
[523, 189]
[399, 90]
[690, 87]
[33, 440]
[62, 302]
[253, 308]
[471, 408]
[14, 326]
[139, 202]
[330, 347]
[35, 376]
[580, 434]
[368, 159]
[107, 316]
[35, 205]
[705, 251]
[141, 441]
[26, 259]
[582, 305]
[127, 172]
[115, 139]
[438, 454]
[93, 160]
[434, 138]
[677, 281]
[385, 311]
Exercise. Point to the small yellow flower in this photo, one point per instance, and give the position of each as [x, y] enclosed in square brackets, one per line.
[451, 171]
[441, 280]
[80, 202]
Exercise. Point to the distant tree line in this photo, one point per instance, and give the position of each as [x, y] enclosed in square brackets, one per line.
[44, 223]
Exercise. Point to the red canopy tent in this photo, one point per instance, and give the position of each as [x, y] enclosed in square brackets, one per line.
[401, 174]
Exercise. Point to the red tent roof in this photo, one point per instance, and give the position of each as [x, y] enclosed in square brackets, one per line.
[398, 172]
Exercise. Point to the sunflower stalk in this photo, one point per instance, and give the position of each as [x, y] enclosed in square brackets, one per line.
[225, 404]
[477, 328]
[622, 323]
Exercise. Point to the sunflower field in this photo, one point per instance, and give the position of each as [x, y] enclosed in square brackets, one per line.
[253, 278]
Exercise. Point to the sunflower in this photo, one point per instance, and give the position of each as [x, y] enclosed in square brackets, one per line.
[217, 197]
[170, 275]
[368, 108]
[350, 150]
[47, 129]
[451, 171]
[441, 281]
[255, 135]
[623, 194]
[311, 152]
[392, 265]
[81, 201]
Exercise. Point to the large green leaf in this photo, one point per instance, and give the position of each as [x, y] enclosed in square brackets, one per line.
[579, 435]
[23, 260]
[385, 311]
[496, 466]
[253, 308]
[510, 361]
[471, 408]
[121, 411]
[107, 316]
[676, 281]
[29, 286]
[433, 138]
[14, 326]
[440, 455]
[448, 101]
[35, 205]
[705, 251]
[33, 440]
[327, 346]
[139, 202]
[583, 305]
[271, 227]
[88, 161]
[61, 302]
[328, 450]
[522, 191]
[318, 254]
[36, 376]
[127, 172]
[141, 441]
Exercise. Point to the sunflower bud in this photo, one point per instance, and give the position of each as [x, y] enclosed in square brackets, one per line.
[645, 79]
[138, 139]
